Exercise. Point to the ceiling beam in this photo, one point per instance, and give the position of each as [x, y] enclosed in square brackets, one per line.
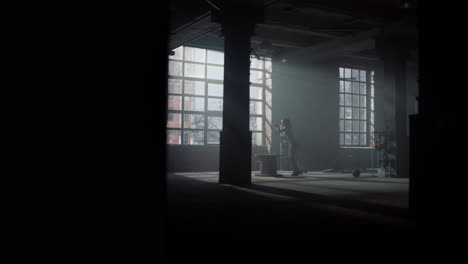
[198, 20]
[302, 31]
[310, 16]
[351, 44]
[277, 43]
[192, 33]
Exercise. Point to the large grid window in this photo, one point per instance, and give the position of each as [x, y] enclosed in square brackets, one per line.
[195, 103]
[356, 101]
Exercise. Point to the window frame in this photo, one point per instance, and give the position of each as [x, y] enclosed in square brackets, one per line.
[214, 113]
[342, 106]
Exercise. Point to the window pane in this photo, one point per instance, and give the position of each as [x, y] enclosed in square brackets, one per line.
[341, 99]
[215, 89]
[362, 126]
[173, 136]
[193, 137]
[267, 131]
[372, 104]
[371, 117]
[348, 112]
[342, 112]
[212, 137]
[194, 70]
[372, 76]
[372, 90]
[347, 86]
[194, 121]
[355, 87]
[256, 76]
[194, 54]
[355, 75]
[194, 87]
[347, 99]
[348, 124]
[256, 108]
[255, 123]
[268, 113]
[215, 72]
[257, 139]
[341, 125]
[194, 103]
[363, 76]
[174, 120]
[256, 64]
[363, 139]
[363, 88]
[215, 57]
[362, 114]
[347, 139]
[174, 102]
[355, 139]
[363, 101]
[256, 92]
[215, 104]
[268, 80]
[341, 86]
[347, 73]
[268, 97]
[355, 126]
[175, 68]
[175, 86]
[178, 54]
[355, 100]
[268, 65]
[341, 73]
[356, 113]
[341, 138]
[215, 122]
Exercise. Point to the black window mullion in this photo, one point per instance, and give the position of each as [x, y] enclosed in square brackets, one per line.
[368, 109]
[264, 136]
[182, 130]
[205, 133]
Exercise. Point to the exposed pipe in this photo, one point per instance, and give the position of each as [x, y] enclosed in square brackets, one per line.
[207, 14]
[198, 36]
[213, 5]
[271, 3]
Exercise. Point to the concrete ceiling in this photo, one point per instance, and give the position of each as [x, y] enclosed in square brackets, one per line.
[328, 27]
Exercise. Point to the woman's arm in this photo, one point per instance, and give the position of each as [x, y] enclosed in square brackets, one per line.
[278, 129]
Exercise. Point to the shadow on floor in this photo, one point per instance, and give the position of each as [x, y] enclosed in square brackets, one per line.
[341, 201]
[207, 216]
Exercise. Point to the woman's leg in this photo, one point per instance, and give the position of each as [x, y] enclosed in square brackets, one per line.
[292, 157]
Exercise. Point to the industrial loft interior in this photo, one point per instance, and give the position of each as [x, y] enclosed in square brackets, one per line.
[290, 122]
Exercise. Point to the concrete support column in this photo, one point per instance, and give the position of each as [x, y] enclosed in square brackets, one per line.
[235, 141]
[401, 117]
[396, 114]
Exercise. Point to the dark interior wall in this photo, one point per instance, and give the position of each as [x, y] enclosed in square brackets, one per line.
[412, 84]
[308, 95]
[193, 158]
[200, 158]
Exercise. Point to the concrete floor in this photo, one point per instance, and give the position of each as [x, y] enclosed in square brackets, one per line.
[321, 211]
